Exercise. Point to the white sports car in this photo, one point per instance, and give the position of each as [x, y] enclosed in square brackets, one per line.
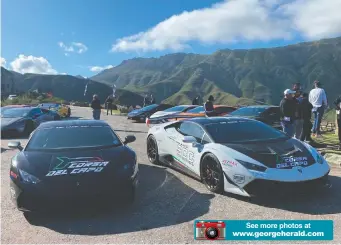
[237, 155]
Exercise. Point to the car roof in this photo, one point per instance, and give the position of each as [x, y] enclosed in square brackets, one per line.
[209, 120]
[70, 123]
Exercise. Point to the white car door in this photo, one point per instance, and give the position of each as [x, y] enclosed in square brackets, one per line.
[189, 154]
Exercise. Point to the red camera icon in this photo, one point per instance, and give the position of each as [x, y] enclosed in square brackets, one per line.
[206, 230]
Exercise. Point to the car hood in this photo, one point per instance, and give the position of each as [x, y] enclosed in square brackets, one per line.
[281, 154]
[46, 164]
[163, 113]
[135, 112]
[8, 121]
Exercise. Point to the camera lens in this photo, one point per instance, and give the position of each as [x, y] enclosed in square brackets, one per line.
[212, 233]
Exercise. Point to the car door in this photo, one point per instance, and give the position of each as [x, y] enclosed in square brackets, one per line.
[36, 115]
[188, 154]
[48, 115]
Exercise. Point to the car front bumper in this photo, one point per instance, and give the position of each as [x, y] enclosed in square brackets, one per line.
[36, 197]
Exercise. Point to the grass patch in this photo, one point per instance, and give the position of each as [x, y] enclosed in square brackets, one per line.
[329, 138]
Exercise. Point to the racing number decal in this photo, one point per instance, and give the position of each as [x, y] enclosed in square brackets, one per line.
[184, 154]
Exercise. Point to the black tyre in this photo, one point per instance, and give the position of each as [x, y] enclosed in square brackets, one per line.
[29, 127]
[68, 112]
[152, 151]
[212, 174]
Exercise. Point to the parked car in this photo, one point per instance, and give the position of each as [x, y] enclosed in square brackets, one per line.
[24, 120]
[173, 110]
[71, 163]
[61, 109]
[142, 114]
[198, 111]
[264, 113]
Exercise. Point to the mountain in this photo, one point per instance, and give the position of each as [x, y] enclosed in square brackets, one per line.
[232, 76]
[67, 87]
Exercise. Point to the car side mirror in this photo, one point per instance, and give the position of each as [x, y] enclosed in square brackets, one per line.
[129, 139]
[189, 139]
[15, 145]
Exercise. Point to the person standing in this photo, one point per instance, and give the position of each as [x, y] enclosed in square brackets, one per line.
[152, 100]
[298, 114]
[109, 101]
[288, 108]
[145, 101]
[209, 107]
[195, 101]
[337, 104]
[305, 108]
[318, 98]
[96, 107]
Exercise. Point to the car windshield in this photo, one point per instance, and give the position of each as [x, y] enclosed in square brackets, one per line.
[197, 110]
[147, 108]
[15, 112]
[242, 131]
[73, 137]
[248, 111]
[176, 108]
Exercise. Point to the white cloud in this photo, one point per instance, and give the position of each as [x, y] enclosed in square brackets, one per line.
[73, 47]
[238, 21]
[315, 19]
[3, 62]
[32, 64]
[100, 68]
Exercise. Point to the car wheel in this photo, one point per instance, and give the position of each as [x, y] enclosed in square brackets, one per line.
[29, 127]
[212, 174]
[152, 151]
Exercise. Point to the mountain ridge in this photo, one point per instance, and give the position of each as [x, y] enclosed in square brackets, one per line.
[260, 74]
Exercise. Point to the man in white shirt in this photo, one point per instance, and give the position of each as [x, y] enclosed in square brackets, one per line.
[318, 98]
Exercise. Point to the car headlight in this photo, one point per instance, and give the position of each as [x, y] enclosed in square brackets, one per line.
[252, 166]
[28, 178]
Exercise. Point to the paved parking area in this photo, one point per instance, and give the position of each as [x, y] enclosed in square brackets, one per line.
[167, 204]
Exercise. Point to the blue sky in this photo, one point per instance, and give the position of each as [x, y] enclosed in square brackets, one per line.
[77, 36]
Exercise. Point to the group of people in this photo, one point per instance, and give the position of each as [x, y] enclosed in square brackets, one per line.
[297, 109]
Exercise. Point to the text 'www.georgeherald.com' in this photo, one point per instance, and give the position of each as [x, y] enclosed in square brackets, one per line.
[278, 234]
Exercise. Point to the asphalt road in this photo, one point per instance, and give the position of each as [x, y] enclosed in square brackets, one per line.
[166, 206]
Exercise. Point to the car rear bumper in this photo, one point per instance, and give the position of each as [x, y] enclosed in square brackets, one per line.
[33, 198]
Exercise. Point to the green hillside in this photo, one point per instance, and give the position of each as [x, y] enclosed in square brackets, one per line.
[234, 76]
[69, 88]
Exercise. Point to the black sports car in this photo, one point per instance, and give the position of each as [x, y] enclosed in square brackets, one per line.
[23, 120]
[263, 113]
[72, 162]
[145, 112]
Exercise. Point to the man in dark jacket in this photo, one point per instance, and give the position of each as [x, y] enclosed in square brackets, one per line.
[195, 101]
[288, 107]
[96, 107]
[109, 101]
[337, 104]
[305, 109]
[209, 108]
[298, 115]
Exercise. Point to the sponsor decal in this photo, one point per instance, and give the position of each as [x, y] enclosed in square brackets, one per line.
[78, 165]
[239, 179]
[290, 162]
[229, 163]
[184, 154]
